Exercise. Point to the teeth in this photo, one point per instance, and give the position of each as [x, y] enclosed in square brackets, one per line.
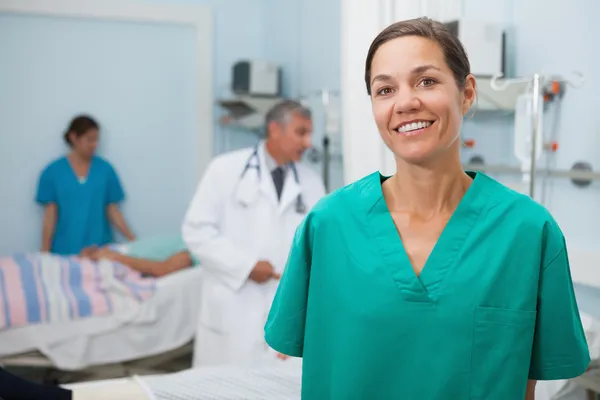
[414, 126]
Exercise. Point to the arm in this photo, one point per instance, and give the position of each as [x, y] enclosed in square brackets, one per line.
[202, 233]
[114, 196]
[285, 326]
[560, 349]
[530, 392]
[48, 226]
[116, 218]
[174, 263]
[46, 196]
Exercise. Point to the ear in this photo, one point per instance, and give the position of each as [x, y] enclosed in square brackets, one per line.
[275, 128]
[469, 93]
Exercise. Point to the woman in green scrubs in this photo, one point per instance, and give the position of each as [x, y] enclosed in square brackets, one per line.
[434, 283]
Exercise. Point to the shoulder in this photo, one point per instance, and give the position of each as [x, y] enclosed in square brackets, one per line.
[510, 202]
[525, 214]
[230, 158]
[307, 172]
[349, 202]
[54, 167]
[103, 163]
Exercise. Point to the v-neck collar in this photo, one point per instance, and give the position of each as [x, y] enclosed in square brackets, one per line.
[81, 180]
[426, 286]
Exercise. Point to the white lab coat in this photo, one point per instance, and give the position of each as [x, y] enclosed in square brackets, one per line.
[232, 223]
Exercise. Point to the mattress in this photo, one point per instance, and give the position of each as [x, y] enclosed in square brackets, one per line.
[163, 323]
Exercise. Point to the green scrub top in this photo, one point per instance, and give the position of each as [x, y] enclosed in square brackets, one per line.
[493, 306]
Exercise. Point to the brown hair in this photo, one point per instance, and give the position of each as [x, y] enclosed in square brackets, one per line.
[454, 52]
[79, 126]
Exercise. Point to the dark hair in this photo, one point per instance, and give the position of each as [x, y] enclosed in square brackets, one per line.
[454, 52]
[80, 125]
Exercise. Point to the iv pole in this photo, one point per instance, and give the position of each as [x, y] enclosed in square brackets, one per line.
[325, 95]
[536, 110]
[537, 82]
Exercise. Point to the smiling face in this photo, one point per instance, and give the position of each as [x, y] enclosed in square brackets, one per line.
[417, 104]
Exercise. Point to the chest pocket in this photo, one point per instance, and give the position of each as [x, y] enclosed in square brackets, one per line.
[501, 353]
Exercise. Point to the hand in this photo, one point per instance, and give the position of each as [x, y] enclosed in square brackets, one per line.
[282, 357]
[263, 271]
[88, 252]
[103, 252]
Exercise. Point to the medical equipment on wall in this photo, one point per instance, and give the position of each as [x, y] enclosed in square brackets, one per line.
[331, 132]
[527, 132]
[530, 141]
[256, 78]
[485, 44]
[255, 88]
[254, 163]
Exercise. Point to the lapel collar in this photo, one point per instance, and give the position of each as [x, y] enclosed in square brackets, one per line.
[291, 188]
[247, 189]
[267, 187]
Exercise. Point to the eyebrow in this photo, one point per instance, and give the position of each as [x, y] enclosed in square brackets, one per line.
[418, 70]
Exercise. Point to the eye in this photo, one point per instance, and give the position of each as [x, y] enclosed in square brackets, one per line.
[427, 82]
[384, 91]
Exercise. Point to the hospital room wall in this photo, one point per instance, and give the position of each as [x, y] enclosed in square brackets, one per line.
[36, 108]
[536, 45]
[303, 36]
[238, 33]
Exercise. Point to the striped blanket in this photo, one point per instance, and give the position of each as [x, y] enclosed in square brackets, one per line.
[45, 288]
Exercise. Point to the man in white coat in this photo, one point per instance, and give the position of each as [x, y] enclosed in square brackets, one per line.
[240, 226]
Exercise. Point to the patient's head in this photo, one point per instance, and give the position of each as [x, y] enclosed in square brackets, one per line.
[289, 130]
[82, 135]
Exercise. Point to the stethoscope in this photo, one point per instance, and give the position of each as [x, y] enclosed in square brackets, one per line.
[254, 163]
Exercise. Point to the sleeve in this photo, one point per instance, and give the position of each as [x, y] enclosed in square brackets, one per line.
[202, 233]
[46, 192]
[284, 330]
[115, 193]
[560, 349]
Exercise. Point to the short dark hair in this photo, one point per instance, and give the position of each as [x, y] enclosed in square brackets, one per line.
[80, 125]
[454, 51]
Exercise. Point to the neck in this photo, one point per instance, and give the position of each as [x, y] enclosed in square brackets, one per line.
[428, 190]
[78, 158]
[275, 153]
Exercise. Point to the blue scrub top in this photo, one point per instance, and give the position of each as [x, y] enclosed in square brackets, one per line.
[82, 217]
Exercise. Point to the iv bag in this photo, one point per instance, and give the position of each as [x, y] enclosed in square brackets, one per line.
[523, 132]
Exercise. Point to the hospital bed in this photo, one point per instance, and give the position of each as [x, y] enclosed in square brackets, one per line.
[142, 340]
[278, 380]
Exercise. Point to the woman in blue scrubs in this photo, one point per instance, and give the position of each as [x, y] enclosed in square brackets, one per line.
[434, 283]
[80, 194]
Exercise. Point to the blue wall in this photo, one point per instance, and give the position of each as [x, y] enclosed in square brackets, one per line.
[142, 94]
[138, 80]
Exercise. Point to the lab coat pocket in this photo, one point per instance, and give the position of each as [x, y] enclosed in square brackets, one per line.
[501, 352]
[216, 308]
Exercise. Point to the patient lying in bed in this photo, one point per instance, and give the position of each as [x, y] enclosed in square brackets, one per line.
[152, 256]
[37, 288]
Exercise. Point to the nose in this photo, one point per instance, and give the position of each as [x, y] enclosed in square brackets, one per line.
[307, 141]
[406, 100]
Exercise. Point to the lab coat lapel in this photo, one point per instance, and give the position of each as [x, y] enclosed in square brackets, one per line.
[247, 189]
[291, 190]
[267, 187]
